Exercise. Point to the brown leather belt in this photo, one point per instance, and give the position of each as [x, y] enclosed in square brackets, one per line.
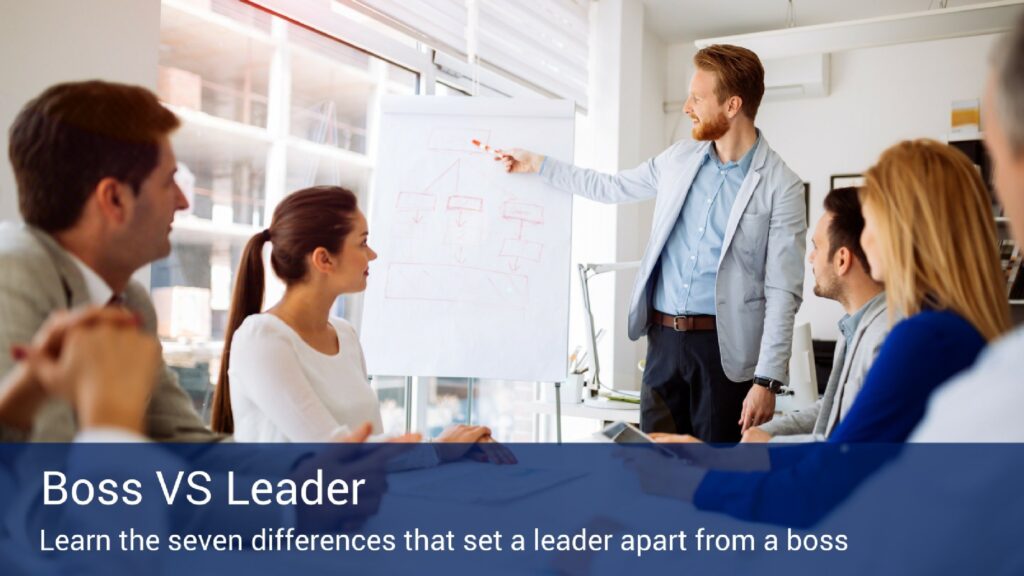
[685, 323]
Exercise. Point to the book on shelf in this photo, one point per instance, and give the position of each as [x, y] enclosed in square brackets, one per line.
[965, 117]
[1010, 260]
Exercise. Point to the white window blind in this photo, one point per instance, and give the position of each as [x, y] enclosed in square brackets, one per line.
[540, 42]
[438, 23]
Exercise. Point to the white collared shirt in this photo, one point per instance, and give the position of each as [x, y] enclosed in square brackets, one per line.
[981, 404]
[99, 291]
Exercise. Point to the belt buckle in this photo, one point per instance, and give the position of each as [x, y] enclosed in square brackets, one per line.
[685, 319]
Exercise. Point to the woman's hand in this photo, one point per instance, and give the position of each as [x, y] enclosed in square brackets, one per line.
[490, 450]
[666, 438]
[456, 441]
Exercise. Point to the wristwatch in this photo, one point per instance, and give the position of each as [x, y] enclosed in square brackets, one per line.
[774, 386]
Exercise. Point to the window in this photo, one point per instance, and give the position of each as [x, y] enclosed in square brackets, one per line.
[267, 107]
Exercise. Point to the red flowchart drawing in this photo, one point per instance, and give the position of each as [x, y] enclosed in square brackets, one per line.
[464, 235]
[464, 229]
[523, 211]
[518, 248]
[463, 204]
[417, 203]
[421, 203]
[467, 203]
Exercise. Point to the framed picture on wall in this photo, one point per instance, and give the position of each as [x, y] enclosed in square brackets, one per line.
[845, 180]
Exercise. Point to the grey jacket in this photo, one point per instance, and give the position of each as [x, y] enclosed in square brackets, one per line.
[849, 368]
[761, 268]
[38, 278]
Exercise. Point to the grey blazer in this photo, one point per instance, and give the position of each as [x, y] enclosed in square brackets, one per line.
[38, 278]
[849, 368]
[761, 269]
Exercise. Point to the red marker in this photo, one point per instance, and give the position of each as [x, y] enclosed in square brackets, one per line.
[498, 155]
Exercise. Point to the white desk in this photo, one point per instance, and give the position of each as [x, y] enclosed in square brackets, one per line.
[631, 414]
[603, 410]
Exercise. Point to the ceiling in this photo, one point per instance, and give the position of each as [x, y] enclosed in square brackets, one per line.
[687, 20]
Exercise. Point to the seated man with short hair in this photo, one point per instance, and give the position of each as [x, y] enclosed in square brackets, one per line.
[95, 176]
[841, 273]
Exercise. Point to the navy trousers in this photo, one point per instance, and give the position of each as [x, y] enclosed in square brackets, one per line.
[685, 390]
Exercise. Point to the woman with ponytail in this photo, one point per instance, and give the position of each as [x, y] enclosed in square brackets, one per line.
[295, 373]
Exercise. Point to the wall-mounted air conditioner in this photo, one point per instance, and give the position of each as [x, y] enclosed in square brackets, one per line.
[804, 76]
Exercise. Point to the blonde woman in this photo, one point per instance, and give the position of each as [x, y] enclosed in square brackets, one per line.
[930, 237]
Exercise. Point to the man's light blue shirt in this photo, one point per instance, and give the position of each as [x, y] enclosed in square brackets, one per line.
[848, 324]
[688, 264]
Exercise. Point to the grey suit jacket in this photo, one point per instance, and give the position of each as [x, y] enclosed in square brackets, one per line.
[39, 277]
[761, 268]
[849, 368]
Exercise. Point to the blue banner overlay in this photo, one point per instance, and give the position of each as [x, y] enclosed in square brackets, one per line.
[570, 509]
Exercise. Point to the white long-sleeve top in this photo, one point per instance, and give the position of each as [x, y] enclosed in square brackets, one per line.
[284, 390]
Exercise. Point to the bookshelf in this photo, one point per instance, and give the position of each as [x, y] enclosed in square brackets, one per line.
[1011, 252]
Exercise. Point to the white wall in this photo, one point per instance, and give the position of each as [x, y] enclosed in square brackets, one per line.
[878, 97]
[641, 135]
[44, 42]
[624, 126]
[678, 69]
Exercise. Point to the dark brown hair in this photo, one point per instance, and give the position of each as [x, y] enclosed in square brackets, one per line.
[847, 223]
[738, 72]
[311, 218]
[73, 135]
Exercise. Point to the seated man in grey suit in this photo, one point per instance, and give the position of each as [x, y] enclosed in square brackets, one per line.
[102, 363]
[95, 176]
[841, 273]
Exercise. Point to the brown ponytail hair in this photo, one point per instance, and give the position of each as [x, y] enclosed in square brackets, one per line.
[305, 220]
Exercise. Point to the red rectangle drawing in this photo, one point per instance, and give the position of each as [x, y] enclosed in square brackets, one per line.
[533, 213]
[416, 202]
[524, 249]
[466, 203]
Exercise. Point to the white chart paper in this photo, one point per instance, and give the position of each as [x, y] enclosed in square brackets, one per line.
[472, 278]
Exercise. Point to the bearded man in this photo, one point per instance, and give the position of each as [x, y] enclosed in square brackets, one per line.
[722, 276]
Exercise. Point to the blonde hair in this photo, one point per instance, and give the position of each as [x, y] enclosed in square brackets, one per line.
[937, 235]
